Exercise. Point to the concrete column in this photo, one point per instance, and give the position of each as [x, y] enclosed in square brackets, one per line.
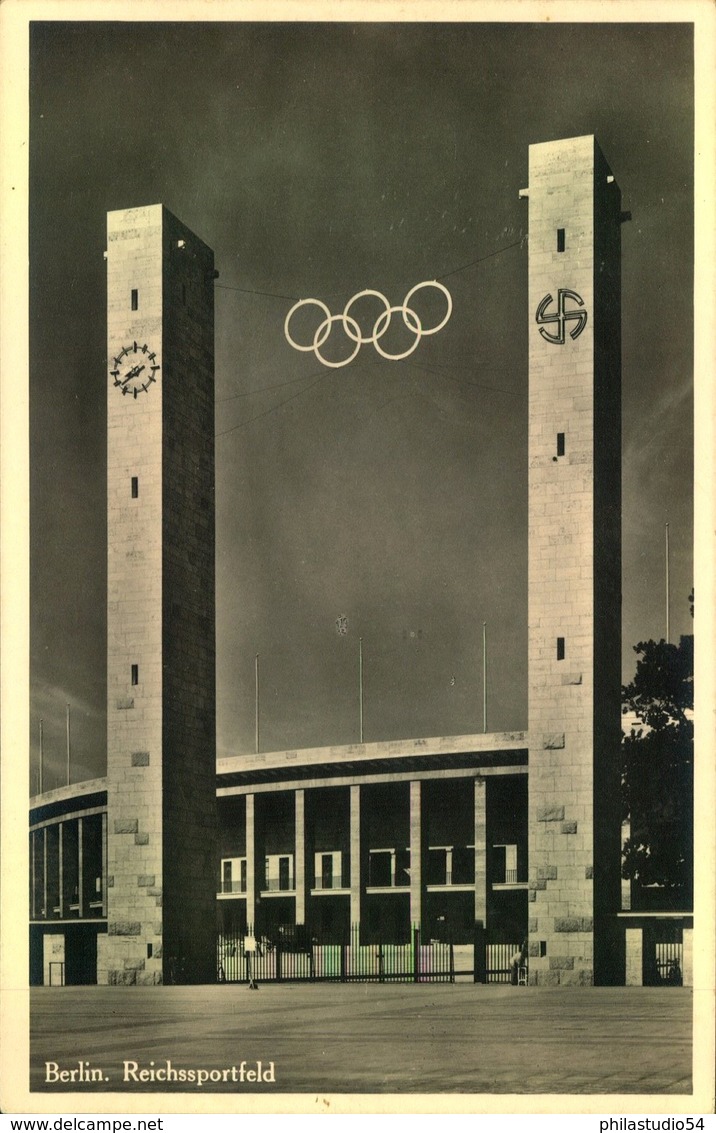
[33, 901]
[53, 959]
[80, 871]
[104, 863]
[250, 862]
[416, 856]
[687, 960]
[161, 772]
[574, 564]
[61, 866]
[44, 872]
[481, 851]
[300, 856]
[355, 854]
[634, 957]
[625, 881]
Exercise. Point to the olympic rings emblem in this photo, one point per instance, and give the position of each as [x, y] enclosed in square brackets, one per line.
[353, 331]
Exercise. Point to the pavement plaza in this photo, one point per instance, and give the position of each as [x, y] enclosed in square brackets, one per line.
[371, 1038]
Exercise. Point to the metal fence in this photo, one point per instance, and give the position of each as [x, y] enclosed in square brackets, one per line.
[297, 954]
[668, 964]
[498, 962]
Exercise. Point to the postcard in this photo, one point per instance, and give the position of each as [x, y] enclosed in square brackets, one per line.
[357, 557]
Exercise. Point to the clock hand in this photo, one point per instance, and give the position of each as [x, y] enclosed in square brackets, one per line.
[133, 373]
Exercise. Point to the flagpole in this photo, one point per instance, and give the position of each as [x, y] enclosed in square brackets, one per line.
[42, 757]
[360, 683]
[668, 627]
[68, 745]
[484, 676]
[257, 703]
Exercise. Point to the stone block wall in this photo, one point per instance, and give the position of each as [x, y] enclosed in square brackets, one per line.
[634, 976]
[134, 615]
[572, 626]
[160, 557]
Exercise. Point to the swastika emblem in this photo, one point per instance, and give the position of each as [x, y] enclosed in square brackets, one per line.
[561, 316]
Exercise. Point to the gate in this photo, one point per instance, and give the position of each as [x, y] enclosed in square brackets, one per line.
[498, 962]
[663, 955]
[668, 966]
[296, 954]
[670, 962]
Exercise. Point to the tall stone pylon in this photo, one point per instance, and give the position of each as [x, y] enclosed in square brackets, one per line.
[574, 658]
[161, 700]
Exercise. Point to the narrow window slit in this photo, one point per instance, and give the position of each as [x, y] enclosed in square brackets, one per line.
[561, 241]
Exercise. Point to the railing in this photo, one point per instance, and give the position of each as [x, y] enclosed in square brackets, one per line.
[278, 884]
[439, 877]
[336, 882]
[509, 877]
[393, 884]
[498, 962]
[301, 955]
[668, 963]
[232, 886]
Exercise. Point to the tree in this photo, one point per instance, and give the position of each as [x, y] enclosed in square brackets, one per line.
[658, 770]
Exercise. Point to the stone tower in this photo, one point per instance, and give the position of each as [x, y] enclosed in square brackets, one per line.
[574, 563]
[161, 750]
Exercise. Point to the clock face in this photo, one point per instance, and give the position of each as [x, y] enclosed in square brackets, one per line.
[134, 369]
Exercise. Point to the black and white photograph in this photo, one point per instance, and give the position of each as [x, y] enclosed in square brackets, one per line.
[357, 409]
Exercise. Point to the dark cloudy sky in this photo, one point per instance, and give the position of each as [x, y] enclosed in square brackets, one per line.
[320, 160]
